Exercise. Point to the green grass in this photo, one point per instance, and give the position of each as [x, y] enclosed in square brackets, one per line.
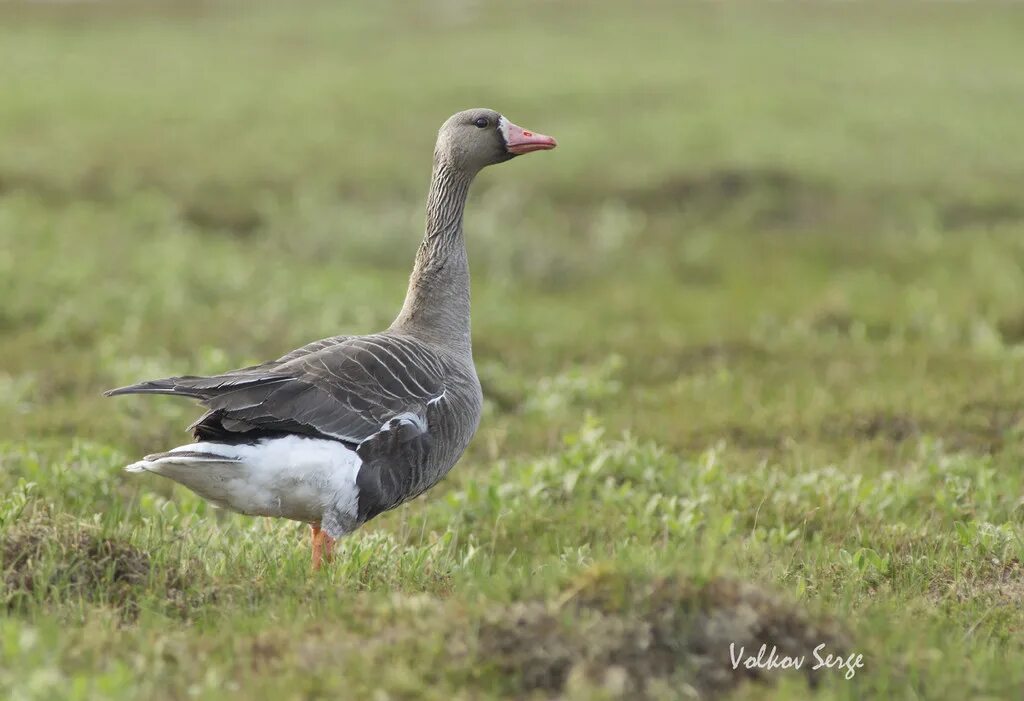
[751, 342]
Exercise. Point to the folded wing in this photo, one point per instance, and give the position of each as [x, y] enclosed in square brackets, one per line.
[345, 388]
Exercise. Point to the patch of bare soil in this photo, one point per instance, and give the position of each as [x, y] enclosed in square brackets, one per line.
[219, 210]
[658, 365]
[699, 357]
[832, 321]
[642, 640]
[889, 427]
[965, 215]
[981, 427]
[768, 196]
[212, 208]
[984, 426]
[998, 584]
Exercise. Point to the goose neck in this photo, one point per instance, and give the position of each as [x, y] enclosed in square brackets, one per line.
[437, 306]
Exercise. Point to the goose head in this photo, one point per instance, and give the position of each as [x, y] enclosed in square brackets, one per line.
[473, 139]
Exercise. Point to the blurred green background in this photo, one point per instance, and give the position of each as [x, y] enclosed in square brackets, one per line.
[758, 318]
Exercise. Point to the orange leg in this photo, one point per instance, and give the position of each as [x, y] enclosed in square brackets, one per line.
[323, 546]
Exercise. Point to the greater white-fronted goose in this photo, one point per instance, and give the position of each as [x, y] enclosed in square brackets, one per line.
[345, 428]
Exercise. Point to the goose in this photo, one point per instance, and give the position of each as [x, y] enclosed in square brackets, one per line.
[343, 429]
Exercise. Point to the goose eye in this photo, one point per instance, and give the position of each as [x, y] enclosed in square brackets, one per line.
[481, 122]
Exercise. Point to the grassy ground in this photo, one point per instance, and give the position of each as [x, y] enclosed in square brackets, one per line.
[750, 340]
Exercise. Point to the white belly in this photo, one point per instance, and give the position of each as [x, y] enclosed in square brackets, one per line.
[292, 477]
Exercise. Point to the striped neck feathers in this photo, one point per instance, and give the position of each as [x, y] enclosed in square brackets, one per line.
[436, 306]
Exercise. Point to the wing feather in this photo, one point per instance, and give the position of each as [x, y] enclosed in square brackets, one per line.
[342, 387]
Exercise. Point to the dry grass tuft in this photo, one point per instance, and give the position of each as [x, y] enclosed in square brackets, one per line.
[63, 561]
